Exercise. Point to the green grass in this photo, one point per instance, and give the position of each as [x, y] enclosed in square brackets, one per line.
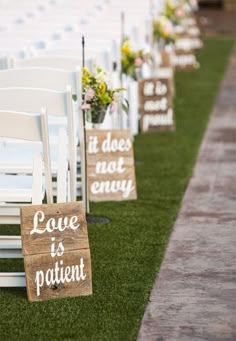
[127, 252]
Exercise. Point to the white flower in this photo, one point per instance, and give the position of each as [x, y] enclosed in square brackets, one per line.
[101, 77]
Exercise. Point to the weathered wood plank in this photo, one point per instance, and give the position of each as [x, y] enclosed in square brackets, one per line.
[53, 215]
[55, 277]
[185, 60]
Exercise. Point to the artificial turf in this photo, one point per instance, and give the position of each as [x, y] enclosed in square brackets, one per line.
[127, 252]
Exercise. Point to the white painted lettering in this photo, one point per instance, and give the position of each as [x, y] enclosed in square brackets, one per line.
[110, 167]
[39, 280]
[114, 145]
[61, 224]
[160, 89]
[158, 105]
[158, 120]
[148, 89]
[93, 145]
[113, 186]
[59, 274]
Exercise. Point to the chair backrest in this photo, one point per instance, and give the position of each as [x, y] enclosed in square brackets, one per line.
[44, 77]
[47, 78]
[30, 127]
[64, 55]
[32, 99]
[57, 104]
[59, 62]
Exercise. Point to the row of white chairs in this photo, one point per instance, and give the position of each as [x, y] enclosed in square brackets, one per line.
[65, 31]
[27, 90]
[42, 80]
[33, 87]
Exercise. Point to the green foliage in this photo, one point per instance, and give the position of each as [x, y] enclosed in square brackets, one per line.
[127, 252]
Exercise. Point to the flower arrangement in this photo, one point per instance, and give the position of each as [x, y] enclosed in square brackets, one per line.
[175, 11]
[97, 97]
[191, 5]
[163, 30]
[132, 61]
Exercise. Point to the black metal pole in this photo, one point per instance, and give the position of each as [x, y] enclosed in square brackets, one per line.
[83, 51]
[122, 38]
[84, 126]
[122, 18]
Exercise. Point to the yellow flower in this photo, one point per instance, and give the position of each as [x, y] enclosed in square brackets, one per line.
[171, 5]
[86, 71]
[101, 89]
[125, 48]
[86, 76]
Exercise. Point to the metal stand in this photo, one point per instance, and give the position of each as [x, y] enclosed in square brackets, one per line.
[84, 126]
[92, 219]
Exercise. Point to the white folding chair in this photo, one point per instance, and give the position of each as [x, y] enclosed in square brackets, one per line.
[57, 104]
[24, 189]
[55, 79]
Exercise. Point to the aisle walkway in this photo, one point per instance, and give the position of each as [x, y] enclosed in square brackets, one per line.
[194, 297]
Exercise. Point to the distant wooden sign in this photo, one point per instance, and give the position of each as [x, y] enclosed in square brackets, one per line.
[56, 251]
[166, 59]
[188, 44]
[185, 60]
[155, 102]
[110, 165]
[166, 70]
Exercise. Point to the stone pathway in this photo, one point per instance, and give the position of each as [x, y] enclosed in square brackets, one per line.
[213, 22]
[194, 296]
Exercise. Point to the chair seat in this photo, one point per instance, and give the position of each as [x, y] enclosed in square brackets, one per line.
[17, 188]
[19, 160]
[12, 279]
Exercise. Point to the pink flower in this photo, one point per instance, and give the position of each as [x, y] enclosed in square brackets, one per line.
[167, 29]
[89, 94]
[179, 12]
[85, 106]
[113, 107]
[138, 62]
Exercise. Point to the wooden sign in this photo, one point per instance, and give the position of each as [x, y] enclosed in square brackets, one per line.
[155, 100]
[194, 32]
[189, 40]
[110, 165]
[166, 70]
[185, 60]
[166, 59]
[56, 251]
[188, 44]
